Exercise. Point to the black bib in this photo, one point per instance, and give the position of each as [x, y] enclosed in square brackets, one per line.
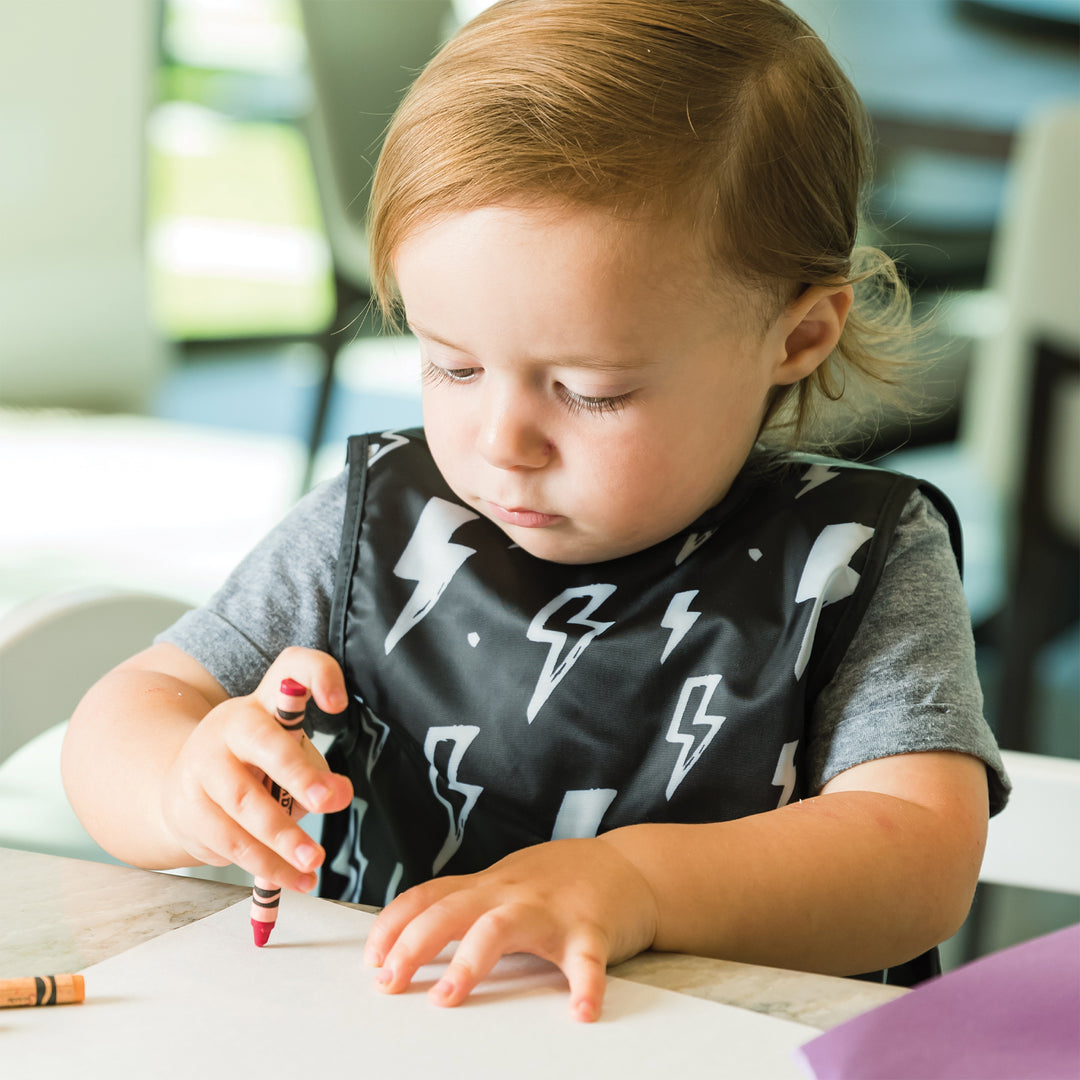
[498, 700]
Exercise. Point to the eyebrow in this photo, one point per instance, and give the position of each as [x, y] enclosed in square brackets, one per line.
[582, 360]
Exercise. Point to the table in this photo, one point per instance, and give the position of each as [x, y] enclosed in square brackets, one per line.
[61, 915]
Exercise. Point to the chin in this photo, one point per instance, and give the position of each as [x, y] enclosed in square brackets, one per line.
[565, 550]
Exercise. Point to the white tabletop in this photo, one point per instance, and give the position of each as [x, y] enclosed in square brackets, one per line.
[62, 915]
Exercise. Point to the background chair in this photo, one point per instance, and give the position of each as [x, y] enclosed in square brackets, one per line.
[52, 650]
[74, 91]
[1021, 412]
[1035, 842]
[1044, 586]
[1029, 883]
[362, 55]
[1036, 276]
[1012, 470]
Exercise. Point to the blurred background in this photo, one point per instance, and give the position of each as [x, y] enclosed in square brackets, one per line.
[185, 341]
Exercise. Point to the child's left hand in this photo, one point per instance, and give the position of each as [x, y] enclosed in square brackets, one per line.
[578, 903]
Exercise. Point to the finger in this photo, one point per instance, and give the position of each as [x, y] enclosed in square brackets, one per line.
[253, 736]
[425, 937]
[316, 670]
[502, 931]
[491, 937]
[328, 793]
[265, 829]
[585, 968]
[221, 841]
[401, 911]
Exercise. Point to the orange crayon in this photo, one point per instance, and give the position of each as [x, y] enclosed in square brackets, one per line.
[42, 990]
[266, 896]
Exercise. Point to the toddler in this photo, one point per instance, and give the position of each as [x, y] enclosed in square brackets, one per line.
[609, 663]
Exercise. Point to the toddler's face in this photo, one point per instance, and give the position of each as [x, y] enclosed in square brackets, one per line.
[587, 385]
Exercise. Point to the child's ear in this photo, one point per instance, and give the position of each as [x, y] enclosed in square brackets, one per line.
[811, 326]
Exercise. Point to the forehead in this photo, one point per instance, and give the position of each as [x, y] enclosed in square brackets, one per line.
[575, 288]
[553, 248]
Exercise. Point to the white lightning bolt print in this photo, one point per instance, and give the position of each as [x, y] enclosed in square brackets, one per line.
[693, 542]
[555, 670]
[394, 882]
[784, 777]
[815, 476]
[461, 735]
[827, 577]
[678, 619]
[688, 752]
[378, 737]
[581, 812]
[349, 862]
[379, 450]
[431, 561]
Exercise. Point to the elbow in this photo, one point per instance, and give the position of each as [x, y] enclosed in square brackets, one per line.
[962, 876]
[73, 757]
[952, 875]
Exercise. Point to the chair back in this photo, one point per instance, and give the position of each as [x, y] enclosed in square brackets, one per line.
[1035, 274]
[363, 55]
[52, 650]
[1035, 841]
[75, 85]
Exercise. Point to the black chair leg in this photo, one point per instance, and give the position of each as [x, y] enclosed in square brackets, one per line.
[351, 320]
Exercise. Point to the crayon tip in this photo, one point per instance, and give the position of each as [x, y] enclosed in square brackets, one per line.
[261, 931]
[292, 688]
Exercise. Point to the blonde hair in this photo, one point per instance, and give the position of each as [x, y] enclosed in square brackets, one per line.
[729, 113]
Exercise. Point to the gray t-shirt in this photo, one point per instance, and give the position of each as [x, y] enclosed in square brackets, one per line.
[907, 683]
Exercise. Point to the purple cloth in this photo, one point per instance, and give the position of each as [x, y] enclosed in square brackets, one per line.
[1012, 1015]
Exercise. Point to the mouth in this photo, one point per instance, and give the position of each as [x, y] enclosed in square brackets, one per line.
[520, 516]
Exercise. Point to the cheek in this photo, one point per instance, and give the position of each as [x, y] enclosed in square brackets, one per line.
[443, 431]
[429, 411]
[441, 421]
[626, 467]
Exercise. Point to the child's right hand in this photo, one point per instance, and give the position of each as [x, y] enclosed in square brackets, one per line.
[214, 801]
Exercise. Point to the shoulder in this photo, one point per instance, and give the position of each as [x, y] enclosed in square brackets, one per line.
[324, 505]
[907, 512]
[279, 595]
[923, 534]
[811, 480]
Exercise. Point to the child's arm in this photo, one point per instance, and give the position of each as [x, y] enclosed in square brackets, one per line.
[164, 769]
[860, 877]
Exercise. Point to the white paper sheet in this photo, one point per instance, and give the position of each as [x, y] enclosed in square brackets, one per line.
[203, 1002]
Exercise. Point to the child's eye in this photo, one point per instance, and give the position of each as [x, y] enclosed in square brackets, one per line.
[580, 403]
[432, 374]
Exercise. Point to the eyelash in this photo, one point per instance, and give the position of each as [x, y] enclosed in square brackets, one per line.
[575, 403]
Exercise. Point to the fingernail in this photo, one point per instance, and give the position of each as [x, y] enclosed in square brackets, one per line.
[307, 856]
[307, 883]
[383, 977]
[372, 957]
[441, 990]
[585, 1012]
[317, 792]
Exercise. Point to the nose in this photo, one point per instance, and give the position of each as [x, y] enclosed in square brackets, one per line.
[511, 433]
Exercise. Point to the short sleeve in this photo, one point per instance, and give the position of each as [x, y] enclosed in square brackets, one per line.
[278, 596]
[908, 681]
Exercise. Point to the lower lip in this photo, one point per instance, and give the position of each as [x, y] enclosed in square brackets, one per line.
[524, 519]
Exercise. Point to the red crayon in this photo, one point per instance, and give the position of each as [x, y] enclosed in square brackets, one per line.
[266, 896]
